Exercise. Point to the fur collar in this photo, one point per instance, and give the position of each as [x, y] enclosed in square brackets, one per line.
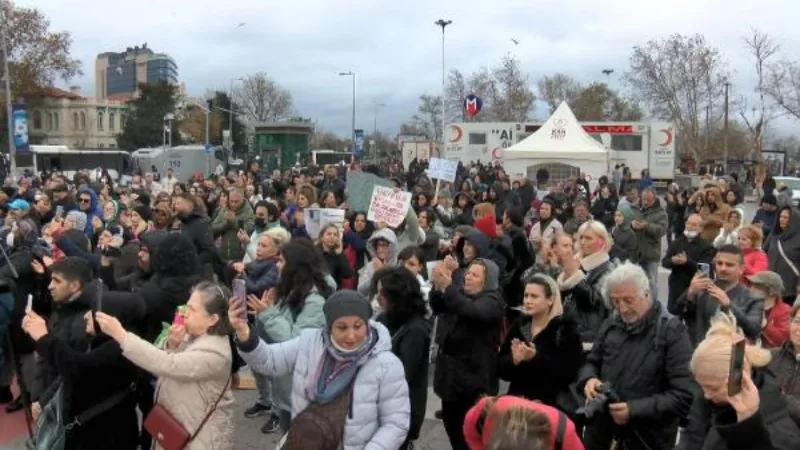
[588, 264]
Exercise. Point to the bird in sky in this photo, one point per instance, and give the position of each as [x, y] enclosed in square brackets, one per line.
[608, 71]
[241, 24]
[516, 42]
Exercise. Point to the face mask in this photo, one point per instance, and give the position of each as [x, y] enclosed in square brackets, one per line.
[260, 223]
[10, 240]
[691, 234]
[342, 350]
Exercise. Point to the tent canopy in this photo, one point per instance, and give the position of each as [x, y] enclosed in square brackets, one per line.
[561, 137]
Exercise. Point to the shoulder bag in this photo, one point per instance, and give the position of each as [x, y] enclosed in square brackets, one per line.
[788, 261]
[169, 433]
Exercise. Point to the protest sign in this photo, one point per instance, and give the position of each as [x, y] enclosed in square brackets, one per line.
[359, 188]
[388, 206]
[317, 218]
[443, 169]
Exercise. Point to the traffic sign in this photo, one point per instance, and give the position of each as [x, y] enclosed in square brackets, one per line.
[209, 148]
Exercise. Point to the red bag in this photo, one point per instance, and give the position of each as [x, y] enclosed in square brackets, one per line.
[168, 432]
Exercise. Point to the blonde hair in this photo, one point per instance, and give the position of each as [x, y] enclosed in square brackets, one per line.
[518, 427]
[754, 233]
[712, 358]
[600, 230]
[278, 234]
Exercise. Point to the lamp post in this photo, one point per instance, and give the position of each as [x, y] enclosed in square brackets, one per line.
[443, 23]
[230, 113]
[375, 126]
[12, 148]
[350, 73]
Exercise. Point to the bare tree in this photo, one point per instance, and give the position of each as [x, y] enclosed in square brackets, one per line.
[558, 88]
[429, 116]
[516, 98]
[455, 94]
[678, 78]
[262, 99]
[761, 48]
[599, 102]
[784, 86]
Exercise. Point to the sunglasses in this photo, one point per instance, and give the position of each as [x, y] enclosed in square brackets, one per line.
[85, 200]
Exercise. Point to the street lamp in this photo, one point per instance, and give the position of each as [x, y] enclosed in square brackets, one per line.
[230, 115]
[12, 148]
[353, 128]
[168, 118]
[443, 23]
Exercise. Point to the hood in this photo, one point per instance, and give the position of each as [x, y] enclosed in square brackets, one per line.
[492, 275]
[93, 196]
[794, 224]
[387, 234]
[478, 240]
[152, 239]
[487, 225]
[175, 256]
[384, 343]
[469, 198]
[627, 213]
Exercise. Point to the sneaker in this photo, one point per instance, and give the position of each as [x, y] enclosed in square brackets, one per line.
[272, 425]
[257, 410]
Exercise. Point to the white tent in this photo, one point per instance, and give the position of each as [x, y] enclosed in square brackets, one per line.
[561, 140]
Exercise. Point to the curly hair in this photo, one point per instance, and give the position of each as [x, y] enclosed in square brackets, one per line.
[175, 255]
[303, 269]
[403, 295]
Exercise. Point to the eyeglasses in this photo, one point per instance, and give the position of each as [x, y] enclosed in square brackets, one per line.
[85, 200]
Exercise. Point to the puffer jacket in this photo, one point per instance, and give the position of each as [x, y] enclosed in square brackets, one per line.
[468, 336]
[714, 427]
[789, 241]
[190, 379]
[647, 364]
[649, 238]
[231, 248]
[366, 272]
[379, 417]
[786, 368]
[282, 324]
[582, 295]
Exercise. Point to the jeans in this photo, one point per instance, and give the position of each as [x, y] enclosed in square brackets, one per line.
[651, 268]
[453, 415]
[284, 420]
[263, 383]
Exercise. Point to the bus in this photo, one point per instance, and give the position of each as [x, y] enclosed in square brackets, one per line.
[61, 158]
[322, 158]
[640, 145]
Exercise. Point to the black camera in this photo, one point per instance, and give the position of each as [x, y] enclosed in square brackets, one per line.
[600, 402]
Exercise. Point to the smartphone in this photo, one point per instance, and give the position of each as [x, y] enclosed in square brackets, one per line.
[705, 269]
[737, 364]
[240, 294]
[99, 296]
[29, 306]
[59, 211]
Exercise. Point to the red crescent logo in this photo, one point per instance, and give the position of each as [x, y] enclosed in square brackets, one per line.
[668, 137]
[457, 132]
[496, 152]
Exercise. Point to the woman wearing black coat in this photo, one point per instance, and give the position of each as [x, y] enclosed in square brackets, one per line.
[542, 351]
[400, 296]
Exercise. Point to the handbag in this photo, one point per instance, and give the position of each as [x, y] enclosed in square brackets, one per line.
[169, 433]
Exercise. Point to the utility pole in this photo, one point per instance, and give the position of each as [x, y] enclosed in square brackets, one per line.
[350, 73]
[375, 128]
[443, 23]
[725, 134]
[12, 149]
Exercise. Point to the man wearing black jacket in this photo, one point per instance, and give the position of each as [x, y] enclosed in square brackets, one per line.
[197, 228]
[643, 354]
[684, 254]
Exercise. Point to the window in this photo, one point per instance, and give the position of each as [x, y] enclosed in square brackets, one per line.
[111, 117]
[99, 120]
[477, 139]
[623, 142]
[75, 123]
[37, 120]
[112, 145]
[122, 121]
[83, 120]
[55, 121]
[49, 124]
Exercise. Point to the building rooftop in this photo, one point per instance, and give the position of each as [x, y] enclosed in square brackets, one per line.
[54, 92]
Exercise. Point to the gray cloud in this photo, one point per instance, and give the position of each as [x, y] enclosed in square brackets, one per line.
[394, 47]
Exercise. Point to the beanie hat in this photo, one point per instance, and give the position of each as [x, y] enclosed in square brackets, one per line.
[79, 217]
[346, 303]
[487, 226]
[143, 211]
[626, 212]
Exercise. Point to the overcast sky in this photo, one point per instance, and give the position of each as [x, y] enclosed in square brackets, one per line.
[394, 47]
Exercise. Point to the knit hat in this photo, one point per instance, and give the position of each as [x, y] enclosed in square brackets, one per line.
[143, 211]
[79, 218]
[487, 225]
[346, 303]
[626, 211]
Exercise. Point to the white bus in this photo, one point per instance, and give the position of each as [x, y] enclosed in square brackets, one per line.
[640, 145]
[60, 158]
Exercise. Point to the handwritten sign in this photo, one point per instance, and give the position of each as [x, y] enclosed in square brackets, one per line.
[443, 169]
[359, 188]
[317, 218]
[388, 206]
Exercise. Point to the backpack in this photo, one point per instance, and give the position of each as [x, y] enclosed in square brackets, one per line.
[561, 428]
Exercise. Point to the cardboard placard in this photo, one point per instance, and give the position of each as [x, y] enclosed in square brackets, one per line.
[443, 169]
[388, 206]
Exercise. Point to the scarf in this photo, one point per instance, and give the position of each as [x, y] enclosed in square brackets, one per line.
[336, 369]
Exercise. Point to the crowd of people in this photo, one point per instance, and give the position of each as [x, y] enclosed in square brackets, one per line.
[539, 311]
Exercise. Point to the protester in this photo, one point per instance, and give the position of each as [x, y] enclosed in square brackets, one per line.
[650, 225]
[684, 255]
[768, 287]
[783, 251]
[785, 365]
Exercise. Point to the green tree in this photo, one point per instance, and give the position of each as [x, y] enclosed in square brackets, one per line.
[598, 102]
[144, 125]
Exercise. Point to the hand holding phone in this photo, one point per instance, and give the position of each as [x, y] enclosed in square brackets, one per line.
[240, 295]
[705, 269]
[736, 367]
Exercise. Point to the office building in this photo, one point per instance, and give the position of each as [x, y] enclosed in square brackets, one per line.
[117, 75]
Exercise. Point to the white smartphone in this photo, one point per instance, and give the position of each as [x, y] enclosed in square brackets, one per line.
[29, 306]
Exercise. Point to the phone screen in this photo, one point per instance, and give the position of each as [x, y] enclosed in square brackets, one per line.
[240, 294]
[99, 296]
[737, 363]
[59, 211]
[705, 269]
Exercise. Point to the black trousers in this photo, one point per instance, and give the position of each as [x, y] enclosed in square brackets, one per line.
[453, 414]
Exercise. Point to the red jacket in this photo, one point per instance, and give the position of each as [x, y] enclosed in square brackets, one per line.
[478, 441]
[777, 330]
[755, 260]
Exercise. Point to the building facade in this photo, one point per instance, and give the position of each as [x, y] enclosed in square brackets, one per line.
[117, 75]
[67, 118]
